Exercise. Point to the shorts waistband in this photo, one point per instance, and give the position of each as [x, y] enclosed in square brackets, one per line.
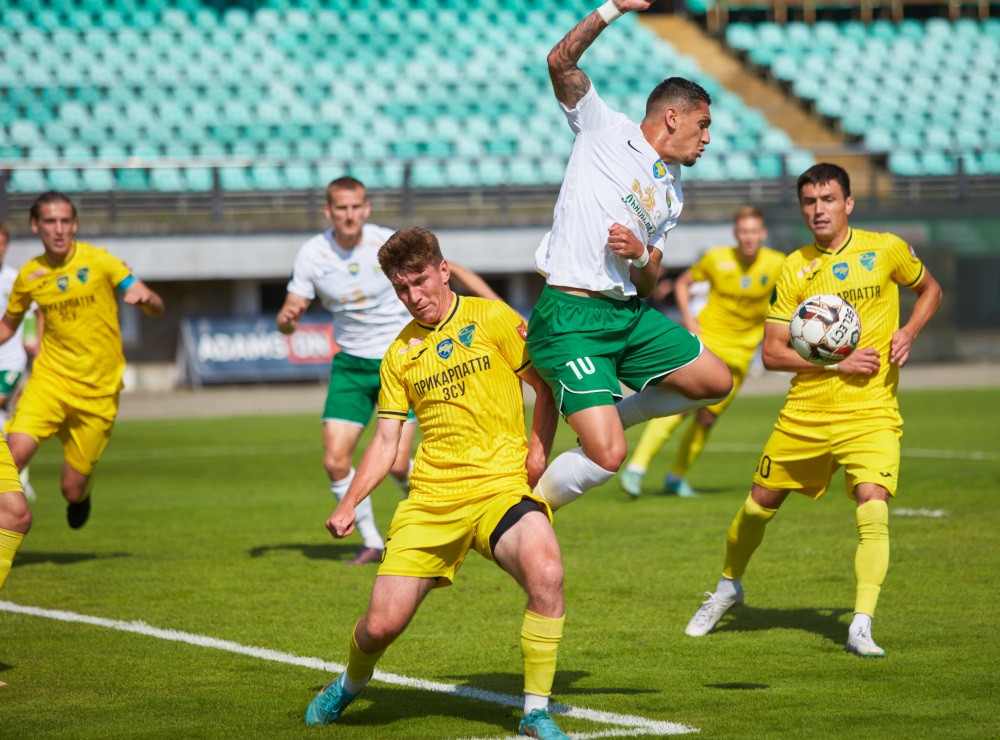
[597, 301]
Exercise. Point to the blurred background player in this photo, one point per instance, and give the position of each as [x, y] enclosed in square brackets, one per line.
[16, 353]
[741, 280]
[841, 415]
[589, 332]
[75, 381]
[457, 365]
[340, 267]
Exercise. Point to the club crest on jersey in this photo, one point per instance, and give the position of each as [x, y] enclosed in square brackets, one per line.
[745, 282]
[445, 348]
[467, 334]
[62, 282]
[82, 274]
[841, 270]
[867, 261]
[354, 268]
[659, 169]
[763, 279]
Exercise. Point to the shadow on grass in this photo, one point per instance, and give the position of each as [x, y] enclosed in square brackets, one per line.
[64, 558]
[513, 684]
[312, 551]
[824, 622]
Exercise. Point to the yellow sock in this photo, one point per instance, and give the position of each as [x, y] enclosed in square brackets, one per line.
[9, 542]
[871, 561]
[361, 665]
[654, 436]
[539, 643]
[690, 449]
[745, 535]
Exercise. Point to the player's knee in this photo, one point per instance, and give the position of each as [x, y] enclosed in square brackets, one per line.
[337, 467]
[16, 516]
[383, 629]
[609, 455]
[548, 574]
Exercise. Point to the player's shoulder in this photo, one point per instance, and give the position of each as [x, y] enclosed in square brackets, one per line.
[409, 337]
[772, 257]
[376, 235]
[316, 243]
[876, 239]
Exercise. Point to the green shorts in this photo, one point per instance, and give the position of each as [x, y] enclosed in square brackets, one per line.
[353, 392]
[583, 347]
[8, 381]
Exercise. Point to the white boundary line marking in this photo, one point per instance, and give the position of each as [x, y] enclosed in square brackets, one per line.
[630, 725]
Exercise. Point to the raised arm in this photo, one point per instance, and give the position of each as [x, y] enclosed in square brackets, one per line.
[569, 82]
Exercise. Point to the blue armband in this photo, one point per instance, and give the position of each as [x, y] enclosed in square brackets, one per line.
[126, 283]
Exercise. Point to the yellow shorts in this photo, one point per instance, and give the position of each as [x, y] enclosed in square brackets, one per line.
[83, 425]
[9, 479]
[807, 447]
[429, 539]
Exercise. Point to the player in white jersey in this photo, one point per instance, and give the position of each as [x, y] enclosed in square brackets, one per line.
[14, 352]
[340, 268]
[589, 332]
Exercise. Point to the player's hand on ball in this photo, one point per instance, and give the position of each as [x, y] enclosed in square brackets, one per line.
[341, 521]
[624, 243]
[861, 361]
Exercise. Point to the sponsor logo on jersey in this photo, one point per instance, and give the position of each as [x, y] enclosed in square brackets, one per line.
[82, 274]
[62, 282]
[522, 330]
[659, 169]
[841, 270]
[467, 334]
[808, 268]
[867, 261]
[354, 268]
[445, 348]
[642, 202]
[912, 253]
[37, 274]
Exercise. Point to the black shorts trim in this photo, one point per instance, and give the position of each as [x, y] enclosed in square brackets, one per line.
[512, 517]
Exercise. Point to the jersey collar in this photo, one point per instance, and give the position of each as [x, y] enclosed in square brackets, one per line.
[451, 313]
[841, 248]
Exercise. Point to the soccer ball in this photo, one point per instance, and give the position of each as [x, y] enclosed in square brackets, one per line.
[825, 329]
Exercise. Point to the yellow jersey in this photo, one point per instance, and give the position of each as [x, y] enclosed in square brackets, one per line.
[461, 378]
[82, 346]
[732, 321]
[866, 270]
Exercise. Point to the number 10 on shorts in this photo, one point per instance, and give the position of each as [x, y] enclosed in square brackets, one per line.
[581, 366]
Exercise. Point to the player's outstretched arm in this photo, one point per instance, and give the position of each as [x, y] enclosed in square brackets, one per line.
[145, 298]
[372, 469]
[929, 296]
[291, 311]
[544, 421]
[569, 81]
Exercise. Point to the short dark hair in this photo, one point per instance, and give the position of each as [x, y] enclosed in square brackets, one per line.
[821, 174]
[748, 212]
[345, 183]
[408, 251]
[679, 92]
[52, 196]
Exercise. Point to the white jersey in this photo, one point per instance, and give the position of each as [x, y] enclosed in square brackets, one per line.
[613, 175]
[12, 354]
[349, 283]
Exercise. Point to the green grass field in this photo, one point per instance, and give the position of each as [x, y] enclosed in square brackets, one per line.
[215, 528]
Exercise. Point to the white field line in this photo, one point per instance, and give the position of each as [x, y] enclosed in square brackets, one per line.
[632, 725]
[929, 513]
[171, 453]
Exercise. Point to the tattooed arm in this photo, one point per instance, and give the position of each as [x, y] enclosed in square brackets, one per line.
[569, 82]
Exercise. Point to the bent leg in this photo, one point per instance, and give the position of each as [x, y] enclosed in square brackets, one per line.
[594, 463]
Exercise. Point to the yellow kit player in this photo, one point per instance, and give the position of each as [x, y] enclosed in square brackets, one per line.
[459, 364]
[841, 415]
[741, 280]
[76, 378]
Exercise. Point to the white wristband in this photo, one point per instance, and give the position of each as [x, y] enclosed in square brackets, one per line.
[641, 261]
[610, 13]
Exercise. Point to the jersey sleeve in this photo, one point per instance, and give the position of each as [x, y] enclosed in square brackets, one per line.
[393, 402]
[115, 268]
[700, 269]
[907, 270]
[19, 300]
[301, 282]
[508, 331]
[591, 114]
[785, 297]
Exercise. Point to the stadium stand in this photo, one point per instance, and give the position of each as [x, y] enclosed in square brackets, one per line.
[149, 95]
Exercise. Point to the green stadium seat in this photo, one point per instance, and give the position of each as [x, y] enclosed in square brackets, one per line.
[98, 180]
[167, 180]
[132, 179]
[199, 179]
[27, 181]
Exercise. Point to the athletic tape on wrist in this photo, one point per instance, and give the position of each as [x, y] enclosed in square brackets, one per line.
[609, 12]
[641, 261]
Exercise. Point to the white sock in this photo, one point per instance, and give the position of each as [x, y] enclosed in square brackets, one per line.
[404, 482]
[570, 476]
[656, 401]
[863, 621]
[533, 702]
[633, 468]
[352, 687]
[728, 588]
[364, 515]
[29, 492]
